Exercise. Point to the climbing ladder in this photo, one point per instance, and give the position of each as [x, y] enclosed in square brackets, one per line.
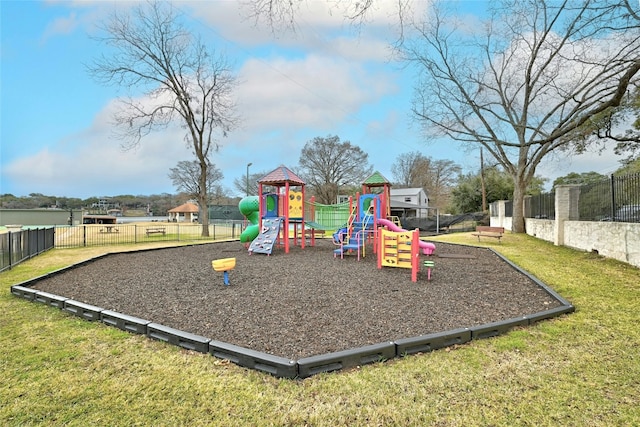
[399, 250]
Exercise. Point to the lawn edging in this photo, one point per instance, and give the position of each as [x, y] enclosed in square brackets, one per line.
[282, 367]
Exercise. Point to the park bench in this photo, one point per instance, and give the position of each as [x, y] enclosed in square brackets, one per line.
[486, 231]
[109, 229]
[156, 230]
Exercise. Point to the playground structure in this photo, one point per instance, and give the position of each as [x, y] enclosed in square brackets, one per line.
[395, 247]
[279, 215]
[275, 212]
[371, 221]
[281, 203]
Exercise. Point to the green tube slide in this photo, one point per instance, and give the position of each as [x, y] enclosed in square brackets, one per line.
[250, 208]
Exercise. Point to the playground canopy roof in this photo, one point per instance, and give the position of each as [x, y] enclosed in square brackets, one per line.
[376, 179]
[281, 175]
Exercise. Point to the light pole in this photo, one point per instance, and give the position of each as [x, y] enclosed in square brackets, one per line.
[247, 187]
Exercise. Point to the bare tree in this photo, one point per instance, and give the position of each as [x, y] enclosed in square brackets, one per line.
[436, 177]
[328, 165]
[526, 84]
[613, 125]
[241, 185]
[443, 175]
[182, 82]
[281, 14]
[408, 169]
[186, 178]
[530, 84]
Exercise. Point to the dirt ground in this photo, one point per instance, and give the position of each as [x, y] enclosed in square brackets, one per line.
[306, 302]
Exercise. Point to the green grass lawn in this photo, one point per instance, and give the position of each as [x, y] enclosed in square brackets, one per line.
[577, 370]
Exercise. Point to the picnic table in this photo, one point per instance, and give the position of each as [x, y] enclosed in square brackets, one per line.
[109, 229]
[156, 230]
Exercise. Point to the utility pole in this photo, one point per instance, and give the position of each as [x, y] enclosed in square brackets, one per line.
[484, 190]
[247, 183]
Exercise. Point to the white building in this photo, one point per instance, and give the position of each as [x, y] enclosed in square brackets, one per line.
[187, 212]
[409, 202]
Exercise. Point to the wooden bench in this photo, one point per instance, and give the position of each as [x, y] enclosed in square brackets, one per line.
[486, 231]
[156, 230]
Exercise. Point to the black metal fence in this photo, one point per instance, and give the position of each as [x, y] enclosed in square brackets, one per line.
[596, 201]
[616, 198]
[17, 246]
[119, 234]
[541, 206]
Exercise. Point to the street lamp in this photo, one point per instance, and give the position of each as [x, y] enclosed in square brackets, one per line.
[247, 188]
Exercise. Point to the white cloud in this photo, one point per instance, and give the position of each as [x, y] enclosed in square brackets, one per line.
[320, 27]
[311, 92]
[84, 15]
[91, 163]
[63, 25]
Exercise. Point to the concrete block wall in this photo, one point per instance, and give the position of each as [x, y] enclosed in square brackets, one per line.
[541, 228]
[617, 240]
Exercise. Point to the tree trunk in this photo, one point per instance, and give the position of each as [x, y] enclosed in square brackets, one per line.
[204, 215]
[203, 199]
[519, 191]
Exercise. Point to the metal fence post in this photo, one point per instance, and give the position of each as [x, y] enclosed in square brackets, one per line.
[613, 198]
[10, 249]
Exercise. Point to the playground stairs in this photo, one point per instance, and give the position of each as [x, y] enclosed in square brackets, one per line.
[356, 239]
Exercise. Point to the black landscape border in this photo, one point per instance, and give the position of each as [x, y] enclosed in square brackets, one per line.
[278, 366]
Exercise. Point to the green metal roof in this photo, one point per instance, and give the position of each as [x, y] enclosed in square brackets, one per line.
[375, 180]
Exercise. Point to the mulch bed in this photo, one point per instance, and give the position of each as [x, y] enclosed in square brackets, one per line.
[306, 302]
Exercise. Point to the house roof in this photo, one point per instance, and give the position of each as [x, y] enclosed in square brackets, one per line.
[186, 208]
[376, 179]
[406, 191]
[281, 175]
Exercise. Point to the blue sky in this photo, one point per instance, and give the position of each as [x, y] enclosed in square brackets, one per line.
[326, 79]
